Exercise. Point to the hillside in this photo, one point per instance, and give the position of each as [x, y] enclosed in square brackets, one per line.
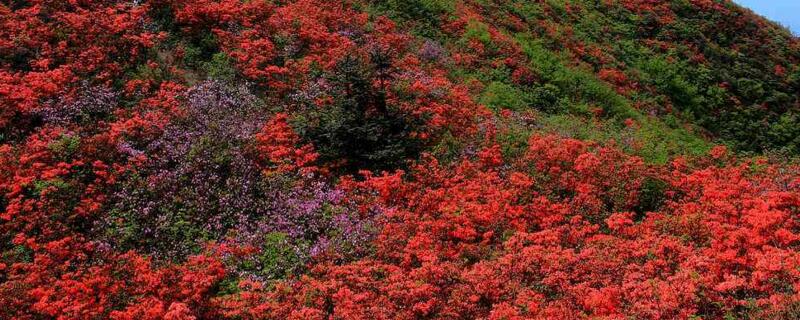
[398, 159]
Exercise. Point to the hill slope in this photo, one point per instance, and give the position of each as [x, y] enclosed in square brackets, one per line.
[206, 159]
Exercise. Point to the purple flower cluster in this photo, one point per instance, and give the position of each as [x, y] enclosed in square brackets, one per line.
[202, 184]
[313, 219]
[431, 51]
[91, 104]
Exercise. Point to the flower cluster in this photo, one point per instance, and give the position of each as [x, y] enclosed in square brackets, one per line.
[399, 159]
[547, 237]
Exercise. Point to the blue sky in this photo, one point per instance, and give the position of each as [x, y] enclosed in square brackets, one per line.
[786, 12]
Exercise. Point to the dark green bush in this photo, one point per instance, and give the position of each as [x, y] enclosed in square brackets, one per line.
[359, 127]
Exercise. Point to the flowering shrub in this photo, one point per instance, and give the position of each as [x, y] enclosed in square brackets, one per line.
[309, 159]
[278, 141]
[360, 126]
[92, 104]
[479, 240]
[48, 48]
[202, 183]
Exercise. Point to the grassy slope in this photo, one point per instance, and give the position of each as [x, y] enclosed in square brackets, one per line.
[689, 76]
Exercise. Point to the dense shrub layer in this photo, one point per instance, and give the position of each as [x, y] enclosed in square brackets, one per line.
[212, 159]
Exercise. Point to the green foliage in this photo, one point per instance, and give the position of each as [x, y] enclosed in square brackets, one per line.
[546, 97]
[277, 258]
[477, 30]
[670, 79]
[177, 231]
[449, 148]
[499, 95]
[379, 141]
[65, 147]
[786, 132]
[652, 140]
[423, 15]
[146, 72]
[16, 252]
[41, 185]
[360, 128]
[204, 46]
[513, 138]
[418, 9]
[583, 87]
[651, 196]
[220, 66]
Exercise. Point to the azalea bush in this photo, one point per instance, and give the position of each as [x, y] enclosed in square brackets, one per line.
[431, 159]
